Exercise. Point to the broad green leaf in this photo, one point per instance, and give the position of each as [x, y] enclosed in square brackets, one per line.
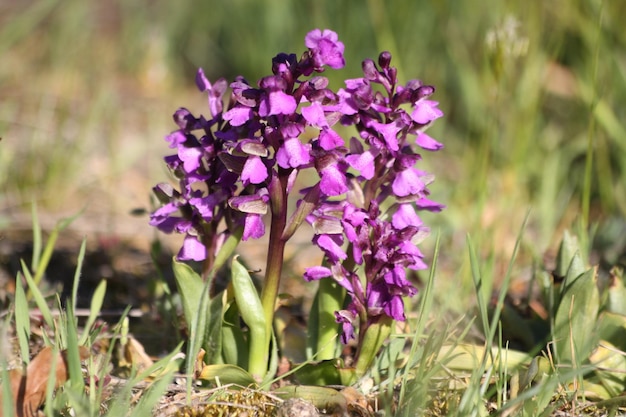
[567, 250]
[322, 397]
[234, 345]
[611, 367]
[324, 372]
[575, 323]
[213, 342]
[194, 294]
[227, 374]
[616, 302]
[375, 335]
[330, 297]
[190, 286]
[251, 311]
[612, 328]
[468, 357]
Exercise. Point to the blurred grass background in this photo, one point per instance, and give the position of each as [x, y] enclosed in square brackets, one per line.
[87, 90]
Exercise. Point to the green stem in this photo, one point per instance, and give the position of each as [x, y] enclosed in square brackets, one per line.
[276, 251]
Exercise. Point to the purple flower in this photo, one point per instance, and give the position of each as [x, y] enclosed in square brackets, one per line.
[408, 182]
[254, 171]
[426, 111]
[253, 227]
[277, 102]
[215, 91]
[405, 216]
[426, 142]
[293, 154]
[314, 114]
[192, 250]
[326, 49]
[346, 318]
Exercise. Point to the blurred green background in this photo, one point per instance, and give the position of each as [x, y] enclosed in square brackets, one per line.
[530, 90]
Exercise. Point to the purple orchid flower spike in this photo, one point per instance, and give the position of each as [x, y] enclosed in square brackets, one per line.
[237, 167]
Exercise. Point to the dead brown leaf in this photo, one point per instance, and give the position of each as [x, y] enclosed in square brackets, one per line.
[29, 390]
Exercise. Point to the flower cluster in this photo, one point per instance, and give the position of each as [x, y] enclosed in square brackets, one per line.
[378, 218]
[226, 163]
[244, 160]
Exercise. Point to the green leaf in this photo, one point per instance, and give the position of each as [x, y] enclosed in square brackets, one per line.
[190, 286]
[94, 310]
[329, 298]
[612, 328]
[194, 293]
[22, 320]
[251, 311]
[305, 207]
[73, 353]
[616, 302]
[234, 346]
[324, 372]
[226, 374]
[567, 250]
[213, 342]
[79, 266]
[611, 367]
[321, 397]
[373, 340]
[38, 296]
[576, 320]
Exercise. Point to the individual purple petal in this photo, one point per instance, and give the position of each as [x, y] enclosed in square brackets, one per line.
[192, 250]
[407, 182]
[293, 154]
[316, 272]
[252, 204]
[346, 318]
[201, 81]
[163, 220]
[325, 48]
[253, 227]
[346, 104]
[426, 204]
[277, 102]
[394, 308]
[389, 132]
[330, 246]
[238, 115]
[408, 249]
[314, 114]
[405, 216]
[191, 157]
[254, 171]
[426, 142]
[396, 277]
[426, 111]
[176, 138]
[329, 139]
[333, 181]
[364, 163]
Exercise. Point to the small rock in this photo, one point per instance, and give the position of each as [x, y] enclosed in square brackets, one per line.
[297, 407]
